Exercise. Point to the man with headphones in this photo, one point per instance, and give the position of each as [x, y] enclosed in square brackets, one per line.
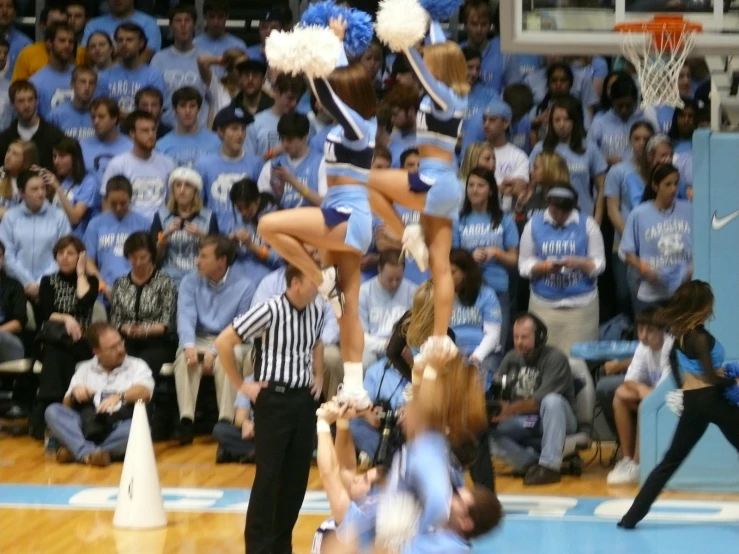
[542, 404]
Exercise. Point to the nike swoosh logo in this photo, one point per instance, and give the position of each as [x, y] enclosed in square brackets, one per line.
[720, 222]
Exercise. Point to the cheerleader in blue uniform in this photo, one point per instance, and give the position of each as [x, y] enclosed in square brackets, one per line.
[435, 190]
[342, 226]
[710, 393]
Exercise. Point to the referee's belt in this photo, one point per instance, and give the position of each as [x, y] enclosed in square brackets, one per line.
[281, 388]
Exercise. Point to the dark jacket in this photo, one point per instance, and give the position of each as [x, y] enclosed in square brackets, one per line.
[12, 300]
[47, 136]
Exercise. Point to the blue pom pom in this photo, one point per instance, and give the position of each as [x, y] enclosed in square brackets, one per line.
[359, 28]
[359, 32]
[732, 394]
[731, 370]
[441, 10]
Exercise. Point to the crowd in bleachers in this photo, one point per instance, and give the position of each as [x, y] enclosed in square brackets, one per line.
[134, 177]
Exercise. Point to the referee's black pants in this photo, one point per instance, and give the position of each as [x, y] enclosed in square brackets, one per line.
[284, 437]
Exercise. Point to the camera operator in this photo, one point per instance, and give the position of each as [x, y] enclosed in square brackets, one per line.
[385, 386]
[539, 403]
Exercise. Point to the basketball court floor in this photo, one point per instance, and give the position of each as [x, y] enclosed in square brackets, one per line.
[47, 508]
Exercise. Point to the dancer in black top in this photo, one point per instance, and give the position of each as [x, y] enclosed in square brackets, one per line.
[704, 389]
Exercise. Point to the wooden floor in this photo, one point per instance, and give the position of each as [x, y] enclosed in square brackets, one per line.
[32, 531]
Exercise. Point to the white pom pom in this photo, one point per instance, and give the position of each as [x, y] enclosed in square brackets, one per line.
[319, 50]
[282, 51]
[401, 23]
[398, 516]
[439, 347]
[674, 401]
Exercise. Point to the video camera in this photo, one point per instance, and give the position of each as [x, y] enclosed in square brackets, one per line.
[500, 391]
[391, 435]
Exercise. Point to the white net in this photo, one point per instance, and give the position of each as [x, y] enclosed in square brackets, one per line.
[658, 63]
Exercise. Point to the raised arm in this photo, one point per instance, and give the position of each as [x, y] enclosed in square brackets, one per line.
[351, 122]
[439, 93]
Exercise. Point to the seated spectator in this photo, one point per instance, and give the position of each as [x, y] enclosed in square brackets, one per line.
[209, 299]
[476, 317]
[75, 190]
[275, 284]
[35, 56]
[150, 99]
[251, 98]
[13, 315]
[100, 49]
[214, 39]
[66, 301]
[562, 253]
[385, 386]
[29, 231]
[236, 439]
[21, 155]
[297, 176]
[107, 233]
[222, 169]
[490, 236]
[382, 301]
[132, 73]
[541, 406]
[254, 258]
[262, 137]
[74, 117]
[143, 305]
[122, 12]
[93, 422]
[28, 125]
[107, 142]
[650, 364]
[179, 227]
[188, 141]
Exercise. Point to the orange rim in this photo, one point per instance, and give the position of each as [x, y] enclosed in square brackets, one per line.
[665, 29]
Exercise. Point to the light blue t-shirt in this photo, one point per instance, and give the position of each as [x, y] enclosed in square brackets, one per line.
[399, 143]
[467, 321]
[218, 46]
[186, 150]
[498, 70]
[122, 84]
[617, 187]
[442, 541]
[180, 69]
[54, 88]
[261, 135]
[475, 230]
[85, 193]
[584, 168]
[610, 133]
[97, 154]
[380, 309]
[73, 122]
[219, 174]
[108, 24]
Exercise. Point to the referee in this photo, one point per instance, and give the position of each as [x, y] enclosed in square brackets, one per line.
[284, 396]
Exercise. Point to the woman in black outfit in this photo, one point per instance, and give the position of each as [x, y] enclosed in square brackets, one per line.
[66, 301]
[700, 356]
[143, 305]
[409, 333]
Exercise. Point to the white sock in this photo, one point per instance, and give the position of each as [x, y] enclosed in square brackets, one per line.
[353, 376]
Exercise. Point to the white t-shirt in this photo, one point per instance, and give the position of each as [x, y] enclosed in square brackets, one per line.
[218, 95]
[148, 178]
[648, 366]
[511, 162]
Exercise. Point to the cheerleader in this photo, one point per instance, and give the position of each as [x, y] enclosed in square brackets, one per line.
[708, 396]
[435, 190]
[342, 226]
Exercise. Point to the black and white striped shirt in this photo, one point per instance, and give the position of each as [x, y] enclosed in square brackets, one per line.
[288, 338]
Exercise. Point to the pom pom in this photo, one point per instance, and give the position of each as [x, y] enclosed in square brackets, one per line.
[318, 50]
[401, 23]
[283, 52]
[732, 394]
[674, 401]
[441, 10]
[398, 516]
[358, 24]
[731, 370]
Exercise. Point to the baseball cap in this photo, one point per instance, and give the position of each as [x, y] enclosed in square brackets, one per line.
[231, 114]
[247, 66]
[500, 109]
[274, 14]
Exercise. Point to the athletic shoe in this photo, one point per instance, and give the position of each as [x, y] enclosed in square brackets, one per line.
[626, 472]
[331, 292]
[415, 245]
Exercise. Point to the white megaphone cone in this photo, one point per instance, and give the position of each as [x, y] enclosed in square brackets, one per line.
[140, 504]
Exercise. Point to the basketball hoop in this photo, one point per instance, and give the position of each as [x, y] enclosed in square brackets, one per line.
[658, 62]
